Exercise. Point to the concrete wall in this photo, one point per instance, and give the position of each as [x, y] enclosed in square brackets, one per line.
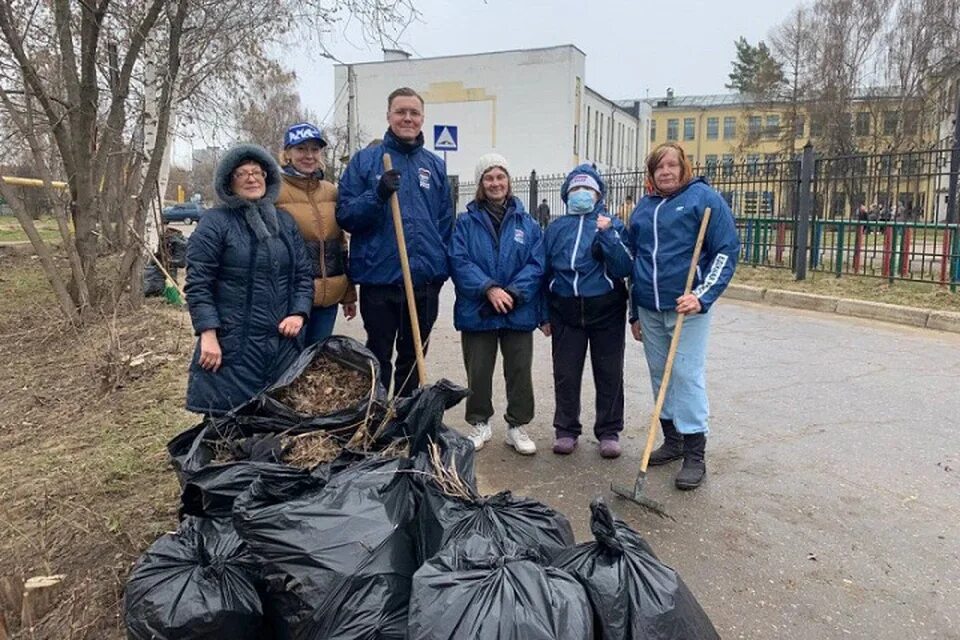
[528, 105]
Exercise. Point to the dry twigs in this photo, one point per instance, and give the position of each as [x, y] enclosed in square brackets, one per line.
[447, 478]
[325, 387]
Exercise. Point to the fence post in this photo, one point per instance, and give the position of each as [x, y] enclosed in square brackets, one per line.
[804, 214]
[534, 198]
[953, 210]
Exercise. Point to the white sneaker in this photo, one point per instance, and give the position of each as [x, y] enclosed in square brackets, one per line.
[480, 434]
[518, 439]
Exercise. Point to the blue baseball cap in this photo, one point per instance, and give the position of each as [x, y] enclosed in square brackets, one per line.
[301, 132]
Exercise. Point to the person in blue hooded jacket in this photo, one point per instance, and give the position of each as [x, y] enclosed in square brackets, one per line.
[249, 285]
[586, 305]
[663, 234]
[496, 262]
[419, 179]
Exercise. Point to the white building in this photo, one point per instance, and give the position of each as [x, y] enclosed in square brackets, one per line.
[532, 106]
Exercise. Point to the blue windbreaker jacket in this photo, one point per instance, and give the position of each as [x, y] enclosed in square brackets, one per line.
[663, 233]
[514, 261]
[573, 267]
[425, 207]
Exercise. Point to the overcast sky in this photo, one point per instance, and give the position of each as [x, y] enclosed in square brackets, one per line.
[634, 48]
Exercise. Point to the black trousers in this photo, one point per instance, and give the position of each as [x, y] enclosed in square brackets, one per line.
[606, 341]
[386, 320]
[480, 358]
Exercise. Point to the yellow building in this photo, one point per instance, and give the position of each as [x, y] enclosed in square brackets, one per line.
[734, 139]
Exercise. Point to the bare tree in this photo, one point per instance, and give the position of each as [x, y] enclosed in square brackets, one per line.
[73, 78]
[270, 104]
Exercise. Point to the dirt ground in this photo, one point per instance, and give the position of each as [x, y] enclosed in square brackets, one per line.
[84, 479]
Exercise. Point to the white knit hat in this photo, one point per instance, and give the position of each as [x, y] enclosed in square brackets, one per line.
[488, 161]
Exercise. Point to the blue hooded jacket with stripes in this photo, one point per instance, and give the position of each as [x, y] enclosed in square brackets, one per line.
[663, 233]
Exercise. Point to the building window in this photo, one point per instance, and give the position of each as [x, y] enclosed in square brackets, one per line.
[911, 121]
[653, 130]
[673, 129]
[713, 128]
[753, 164]
[598, 136]
[586, 147]
[772, 126]
[710, 163]
[753, 125]
[726, 164]
[890, 119]
[816, 127]
[729, 127]
[689, 128]
[863, 123]
[798, 126]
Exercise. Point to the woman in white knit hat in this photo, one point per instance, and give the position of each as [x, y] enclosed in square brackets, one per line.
[497, 263]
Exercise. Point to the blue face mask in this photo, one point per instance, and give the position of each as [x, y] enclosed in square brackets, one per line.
[580, 202]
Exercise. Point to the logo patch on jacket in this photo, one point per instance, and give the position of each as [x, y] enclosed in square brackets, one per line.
[424, 178]
[518, 236]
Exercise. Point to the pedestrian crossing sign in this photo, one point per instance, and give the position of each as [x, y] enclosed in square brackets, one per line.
[444, 137]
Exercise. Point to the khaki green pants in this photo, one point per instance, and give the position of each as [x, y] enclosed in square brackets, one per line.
[480, 357]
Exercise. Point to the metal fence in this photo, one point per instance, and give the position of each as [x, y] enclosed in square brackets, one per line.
[891, 216]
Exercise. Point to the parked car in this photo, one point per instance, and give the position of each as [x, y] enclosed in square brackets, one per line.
[185, 212]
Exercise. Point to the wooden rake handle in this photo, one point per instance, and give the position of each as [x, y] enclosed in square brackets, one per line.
[674, 343]
[407, 278]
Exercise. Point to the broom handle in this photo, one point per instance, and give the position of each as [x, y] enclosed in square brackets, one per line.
[674, 343]
[153, 258]
[407, 278]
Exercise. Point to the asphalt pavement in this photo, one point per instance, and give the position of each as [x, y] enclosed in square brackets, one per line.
[832, 503]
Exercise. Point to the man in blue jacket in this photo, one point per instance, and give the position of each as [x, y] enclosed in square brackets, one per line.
[420, 181]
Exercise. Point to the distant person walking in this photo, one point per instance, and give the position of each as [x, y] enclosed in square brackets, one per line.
[496, 263]
[419, 179]
[543, 214]
[312, 201]
[626, 209]
[663, 232]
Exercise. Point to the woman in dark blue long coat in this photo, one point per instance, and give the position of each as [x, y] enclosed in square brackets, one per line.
[249, 286]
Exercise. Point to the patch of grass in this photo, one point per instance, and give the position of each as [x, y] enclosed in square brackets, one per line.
[902, 292]
[11, 231]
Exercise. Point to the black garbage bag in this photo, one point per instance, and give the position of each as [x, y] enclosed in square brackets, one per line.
[499, 518]
[196, 584]
[634, 595]
[337, 555]
[482, 590]
[251, 446]
[347, 352]
[153, 280]
[419, 418]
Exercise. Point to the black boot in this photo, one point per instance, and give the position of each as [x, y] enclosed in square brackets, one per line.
[672, 447]
[694, 470]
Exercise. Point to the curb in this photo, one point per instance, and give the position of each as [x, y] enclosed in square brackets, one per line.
[897, 314]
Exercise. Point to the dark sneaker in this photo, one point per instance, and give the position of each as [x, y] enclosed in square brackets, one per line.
[565, 445]
[610, 448]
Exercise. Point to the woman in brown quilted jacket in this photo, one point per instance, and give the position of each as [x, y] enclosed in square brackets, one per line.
[312, 201]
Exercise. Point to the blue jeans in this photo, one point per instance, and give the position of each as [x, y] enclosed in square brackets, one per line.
[320, 324]
[686, 401]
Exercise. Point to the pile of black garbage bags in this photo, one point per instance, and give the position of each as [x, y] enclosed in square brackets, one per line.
[371, 545]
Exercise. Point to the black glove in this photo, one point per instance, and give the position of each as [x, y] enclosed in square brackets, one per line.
[389, 183]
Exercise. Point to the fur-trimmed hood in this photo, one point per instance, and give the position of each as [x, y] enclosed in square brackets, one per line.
[264, 224]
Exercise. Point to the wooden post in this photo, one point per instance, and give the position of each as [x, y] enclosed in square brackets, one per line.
[39, 593]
